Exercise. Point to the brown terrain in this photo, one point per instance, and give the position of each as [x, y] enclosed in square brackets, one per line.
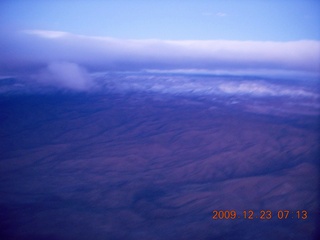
[142, 166]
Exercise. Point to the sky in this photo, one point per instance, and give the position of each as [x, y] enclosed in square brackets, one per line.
[254, 20]
[45, 39]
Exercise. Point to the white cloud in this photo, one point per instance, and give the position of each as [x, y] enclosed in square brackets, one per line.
[66, 75]
[46, 34]
[206, 85]
[32, 50]
[262, 89]
[221, 14]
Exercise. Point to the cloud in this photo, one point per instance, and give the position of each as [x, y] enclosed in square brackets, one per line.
[204, 85]
[46, 34]
[33, 51]
[221, 14]
[263, 89]
[66, 75]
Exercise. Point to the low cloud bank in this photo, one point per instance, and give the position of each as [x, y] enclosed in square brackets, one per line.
[55, 57]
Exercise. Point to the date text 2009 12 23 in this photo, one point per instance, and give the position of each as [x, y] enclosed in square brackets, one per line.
[262, 214]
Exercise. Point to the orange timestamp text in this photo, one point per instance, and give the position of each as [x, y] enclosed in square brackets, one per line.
[262, 214]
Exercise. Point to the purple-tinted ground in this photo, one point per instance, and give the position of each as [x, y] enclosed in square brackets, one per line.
[154, 165]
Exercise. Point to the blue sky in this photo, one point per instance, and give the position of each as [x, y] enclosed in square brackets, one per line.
[256, 20]
[66, 41]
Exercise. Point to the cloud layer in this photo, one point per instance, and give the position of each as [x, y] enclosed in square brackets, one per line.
[50, 54]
